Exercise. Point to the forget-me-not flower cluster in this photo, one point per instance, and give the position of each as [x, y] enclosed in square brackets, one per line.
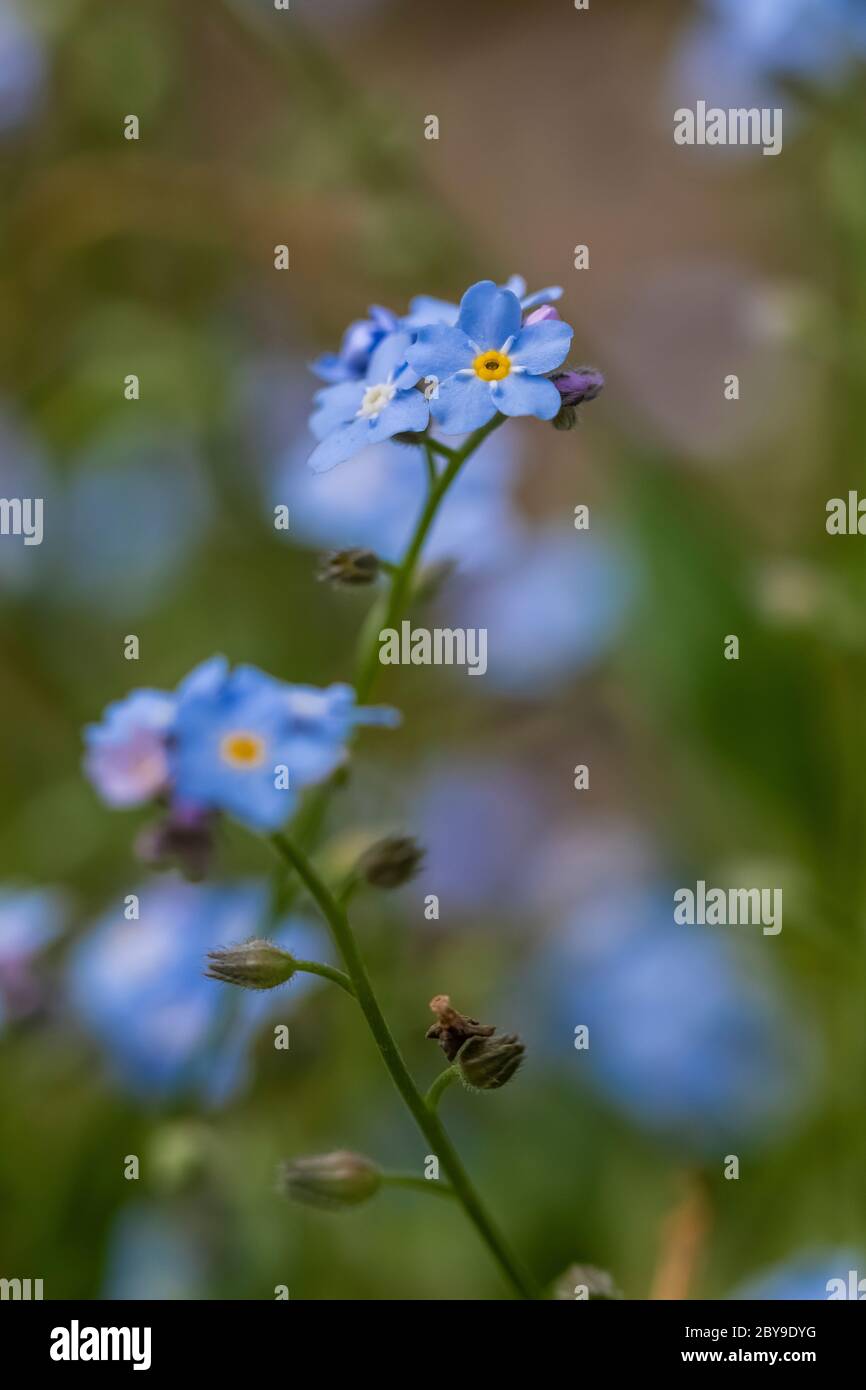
[455, 366]
[232, 740]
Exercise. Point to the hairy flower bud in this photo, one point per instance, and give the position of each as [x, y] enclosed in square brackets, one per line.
[335, 1180]
[349, 568]
[391, 862]
[578, 384]
[485, 1064]
[543, 314]
[256, 964]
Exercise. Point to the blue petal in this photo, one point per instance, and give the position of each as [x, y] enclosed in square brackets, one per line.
[463, 404]
[440, 352]
[424, 310]
[516, 284]
[204, 679]
[548, 296]
[329, 366]
[542, 346]
[489, 316]
[518, 394]
[407, 411]
[335, 406]
[388, 358]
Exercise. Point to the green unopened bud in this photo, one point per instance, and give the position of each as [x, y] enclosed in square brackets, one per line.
[334, 1180]
[350, 568]
[485, 1064]
[256, 964]
[565, 418]
[391, 862]
[584, 1283]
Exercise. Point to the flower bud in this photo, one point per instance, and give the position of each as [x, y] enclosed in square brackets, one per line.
[256, 964]
[334, 1180]
[485, 1064]
[578, 384]
[543, 314]
[451, 1029]
[391, 862]
[350, 568]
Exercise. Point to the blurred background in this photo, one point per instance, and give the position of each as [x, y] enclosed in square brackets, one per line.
[155, 257]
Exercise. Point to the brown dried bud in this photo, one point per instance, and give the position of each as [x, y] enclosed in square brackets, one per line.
[452, 1029]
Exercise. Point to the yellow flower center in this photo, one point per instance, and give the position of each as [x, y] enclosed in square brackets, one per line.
[242, 749]
[492, 365]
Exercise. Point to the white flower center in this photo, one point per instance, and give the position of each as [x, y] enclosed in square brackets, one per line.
[375, 399]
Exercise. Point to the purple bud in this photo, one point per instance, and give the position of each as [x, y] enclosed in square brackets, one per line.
[543, 314]
[578, 384]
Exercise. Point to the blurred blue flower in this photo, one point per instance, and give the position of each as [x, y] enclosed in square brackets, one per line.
[555, 603]
[246, 743]
[476, 821]
[139, 988]
[126, 755]
[376, 503]
[23, 473]
[151, 1256]
[732, 53]
[359, 342]
[22, 67]
[803, 1278]
[355, 414]
[30, 919]
[686, 1036]
[135, 510]
[489, 362]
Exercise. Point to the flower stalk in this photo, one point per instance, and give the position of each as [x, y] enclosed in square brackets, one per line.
[425, 1118]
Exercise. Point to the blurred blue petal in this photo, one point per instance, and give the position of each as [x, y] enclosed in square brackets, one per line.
[804, 1277]
[555, 604]
[30, 919]
[376, 503]
[22, 66]
[151, 1256]
[687, 1037]
[139, 987]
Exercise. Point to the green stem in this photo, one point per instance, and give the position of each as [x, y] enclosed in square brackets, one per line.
[401, 584]
[439, 1087]
[416, 1184]
[427, 1120]
[327, 972]
[386, 612]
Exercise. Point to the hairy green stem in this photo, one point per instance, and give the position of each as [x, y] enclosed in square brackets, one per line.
[439, 1087]
[327, 972]
[426, 1119]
